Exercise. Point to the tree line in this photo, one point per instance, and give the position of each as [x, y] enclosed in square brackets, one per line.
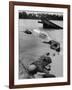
[24, 15]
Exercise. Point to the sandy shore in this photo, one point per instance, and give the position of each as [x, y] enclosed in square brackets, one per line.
[31, 46]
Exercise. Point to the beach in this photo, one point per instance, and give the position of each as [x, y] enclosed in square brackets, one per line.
[31, 46]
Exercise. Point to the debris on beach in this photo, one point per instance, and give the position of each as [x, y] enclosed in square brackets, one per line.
[53, 45]
[27, 31]
[43, 36]
[48, 53]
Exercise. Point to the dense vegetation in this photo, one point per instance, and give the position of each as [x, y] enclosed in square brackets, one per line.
[24, 15]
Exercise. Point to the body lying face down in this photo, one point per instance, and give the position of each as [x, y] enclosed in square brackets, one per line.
[41, 67]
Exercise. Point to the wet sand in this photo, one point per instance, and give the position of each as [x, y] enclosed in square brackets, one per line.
[31, 46]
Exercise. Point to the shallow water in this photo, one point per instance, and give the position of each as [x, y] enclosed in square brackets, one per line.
[31, 46]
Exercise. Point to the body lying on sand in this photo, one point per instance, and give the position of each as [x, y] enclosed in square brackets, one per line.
[39, 68]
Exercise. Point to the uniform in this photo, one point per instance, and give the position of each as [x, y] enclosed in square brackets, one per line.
[41, 64]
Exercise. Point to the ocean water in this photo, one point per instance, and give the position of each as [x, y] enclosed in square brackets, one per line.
[31, 46]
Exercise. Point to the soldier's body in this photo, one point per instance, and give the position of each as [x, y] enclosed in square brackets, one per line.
[42, 65]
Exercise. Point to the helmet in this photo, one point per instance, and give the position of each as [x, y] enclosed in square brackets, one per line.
[31, 67]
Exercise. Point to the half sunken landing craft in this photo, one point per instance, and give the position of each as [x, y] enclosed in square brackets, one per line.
[47, 24]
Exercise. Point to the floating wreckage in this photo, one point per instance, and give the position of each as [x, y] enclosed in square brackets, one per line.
[53, 45]
[47, 24]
